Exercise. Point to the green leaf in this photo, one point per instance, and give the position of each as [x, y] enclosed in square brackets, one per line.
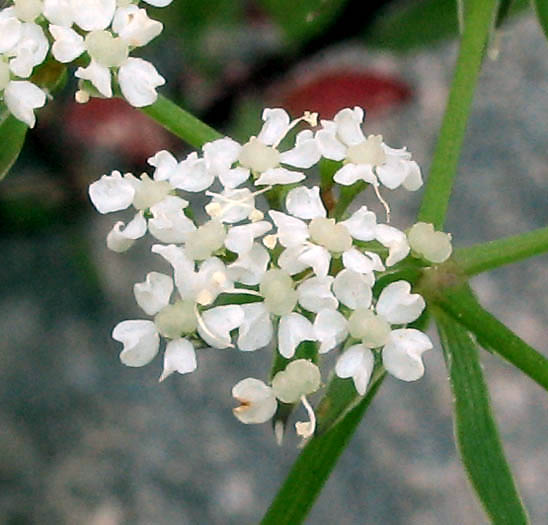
[237, 298]
[486, 256]
[478, 24]
[475, 428]
[460, 303]
[407, 27]
[312, 468]
[304, 19]
[180, 122]
[12, 138]
[541, 10]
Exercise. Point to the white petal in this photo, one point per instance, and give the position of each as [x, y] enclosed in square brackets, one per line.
[98, 75]
[119, 240]
[68, 43]
[305, 203]
[236, 204]
[153, 294]
[234, 177]
[329, 145]
[92, 15]
[351, 173]
[315, 294]
[217, 323]
[258, 401]
[31, 50]
[140, 340]
[134, 26]
[159, 3]
[179, 356]
[59, 12]
[305, 153]
[191, 174]
[276, 124]
[330, 328]
[362, 224]
[291, 231]
[256, 330]
[165, 163]
[210, 281]
[169, 223]
[240, 239]
[279, 176]
[398, 305]
[10, 30]
[293, 329]
[317, 257]
[393, 172]
[401, 356]
[349, 125]
[289, 260]
[413, 181]
[183, 268]
[353, 289]
[111, 193]
[393, 239]
[355, 260]
[356, 362]
[22, 98]
[250, 267]
[221, 154]
[138, 81]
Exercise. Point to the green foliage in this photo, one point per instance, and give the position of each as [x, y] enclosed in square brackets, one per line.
[302, 20]
[12, 138]
[541, 10]
[475, 428]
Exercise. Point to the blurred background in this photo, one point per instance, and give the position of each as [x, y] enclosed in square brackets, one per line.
[86, 440]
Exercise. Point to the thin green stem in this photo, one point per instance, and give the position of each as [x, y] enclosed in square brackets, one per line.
[180, 122]
[486, 256]
[478, 23]
[313, 466]
[461, 304]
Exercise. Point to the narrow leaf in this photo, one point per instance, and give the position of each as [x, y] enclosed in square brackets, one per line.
[475, 428]
[541, 10]
[312, 468]
[12, 138]
[461, 304]
[237, 298]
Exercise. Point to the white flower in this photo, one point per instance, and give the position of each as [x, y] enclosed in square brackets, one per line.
[330, 329]
[59, 12]
[92, 15]
[28, 10]
[111, 193]
[68, 43]
[10, 29]
[311, 244]
[429, 244]
[158, 3]
[138, 82]
[120, 240]
[366, 158]
[31, 49]
[396, 242]
[258, 402]
[401, 348]
[22, 98]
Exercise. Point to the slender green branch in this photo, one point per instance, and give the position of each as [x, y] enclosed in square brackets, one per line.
[180, 122]
[486, 256]
[461, 304]
[479, 19]
[313, 466]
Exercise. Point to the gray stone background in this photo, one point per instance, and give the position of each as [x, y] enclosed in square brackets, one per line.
[84, 440]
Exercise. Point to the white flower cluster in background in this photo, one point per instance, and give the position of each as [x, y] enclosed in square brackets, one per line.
[247, 277]
[99, 33]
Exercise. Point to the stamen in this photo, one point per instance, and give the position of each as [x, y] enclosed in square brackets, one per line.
[308, 117]
[270, 241]
[279, 428]
[383, 202]
[306, 429]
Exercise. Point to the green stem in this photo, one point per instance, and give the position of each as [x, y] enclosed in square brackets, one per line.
[346, 196]
[461, 304]
[313, 466]
[444, 163]
[486, 256]
[180, 122]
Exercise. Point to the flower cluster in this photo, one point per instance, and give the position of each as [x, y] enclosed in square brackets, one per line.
[302, 274]
[99, 34]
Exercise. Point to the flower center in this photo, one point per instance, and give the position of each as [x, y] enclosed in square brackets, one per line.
[367, 152]
[149, 192]
[372, 329]
[177, 319]
[327, 233]
[278, 291]
[258, 157]
[204, 241]
[107, 50]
